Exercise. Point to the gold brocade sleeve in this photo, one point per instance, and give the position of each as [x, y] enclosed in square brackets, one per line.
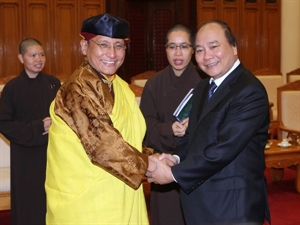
[84, 103]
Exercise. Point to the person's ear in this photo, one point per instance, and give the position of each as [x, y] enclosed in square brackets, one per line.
[20, 58]
[235, 51]
[84, 46]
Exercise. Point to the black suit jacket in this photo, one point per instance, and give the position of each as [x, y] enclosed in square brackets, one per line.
[221, 172]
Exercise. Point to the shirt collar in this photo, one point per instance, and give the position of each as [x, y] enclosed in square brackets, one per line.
[218, 81]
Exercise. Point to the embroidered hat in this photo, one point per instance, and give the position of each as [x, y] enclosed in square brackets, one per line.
[106, 25]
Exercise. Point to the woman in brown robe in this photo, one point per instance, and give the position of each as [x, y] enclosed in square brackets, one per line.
[161, 95]
[24, 121]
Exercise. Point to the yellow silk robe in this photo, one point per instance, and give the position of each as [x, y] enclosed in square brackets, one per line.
[94, 160]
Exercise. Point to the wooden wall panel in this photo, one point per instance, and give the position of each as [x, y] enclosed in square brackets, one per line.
[256, 25]
[90, 8]
[164, 17]
[249, 47]
[55, 23]
[10, 33]
[162, 22]
[206, 10]
[138, 45]
[37, 18]
[65, 32]
[271, 27]
[149, 22]
[36, 24]
[230, 11]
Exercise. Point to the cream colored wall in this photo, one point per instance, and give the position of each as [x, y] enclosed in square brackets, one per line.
[4, 153]
[290, 35]
[4, 149]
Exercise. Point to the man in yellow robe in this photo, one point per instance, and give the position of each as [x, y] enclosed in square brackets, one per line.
[95, 163]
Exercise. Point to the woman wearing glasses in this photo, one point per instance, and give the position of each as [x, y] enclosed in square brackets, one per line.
[95, 163]
[162, 94]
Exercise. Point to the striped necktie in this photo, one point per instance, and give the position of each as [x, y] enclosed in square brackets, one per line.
[211, 90]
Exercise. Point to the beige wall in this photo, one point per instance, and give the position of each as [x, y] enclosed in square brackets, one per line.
[4, 153]
[290, 35]
[4, 149]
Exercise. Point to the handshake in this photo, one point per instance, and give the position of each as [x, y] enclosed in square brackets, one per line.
[159, 168]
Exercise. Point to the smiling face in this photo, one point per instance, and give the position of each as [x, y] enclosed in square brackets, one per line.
[105, 60]
[214, 55]
[33, 59]
[179, 58]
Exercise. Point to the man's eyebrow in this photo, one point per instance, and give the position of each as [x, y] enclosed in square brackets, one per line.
[209, 43]
[213, 42]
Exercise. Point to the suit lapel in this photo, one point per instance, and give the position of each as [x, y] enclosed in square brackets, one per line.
[197, 107]
[202, 100]
[220, 93]
[216, 98]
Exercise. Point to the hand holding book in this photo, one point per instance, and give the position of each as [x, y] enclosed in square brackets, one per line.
[184, 108]
[179, 128]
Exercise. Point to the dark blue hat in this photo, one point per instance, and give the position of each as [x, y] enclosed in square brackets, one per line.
[106, 25]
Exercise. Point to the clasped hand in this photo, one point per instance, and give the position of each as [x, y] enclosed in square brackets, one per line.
[159, 168]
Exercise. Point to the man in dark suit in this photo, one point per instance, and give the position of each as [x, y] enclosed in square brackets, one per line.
[220, 163]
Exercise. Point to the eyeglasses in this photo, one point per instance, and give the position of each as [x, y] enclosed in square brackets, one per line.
[105, 46]
[173, 47]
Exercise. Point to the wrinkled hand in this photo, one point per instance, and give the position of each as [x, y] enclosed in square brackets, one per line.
[167, 159]
[151, 163]
[159, 171]
[47, 123]
[180, 128]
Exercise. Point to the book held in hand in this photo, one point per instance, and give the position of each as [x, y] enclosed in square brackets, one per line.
[184, 108]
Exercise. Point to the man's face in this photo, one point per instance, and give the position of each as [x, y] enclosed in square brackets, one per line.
[101, 54]
[214, 55]
[34, 60]
[179, 57]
